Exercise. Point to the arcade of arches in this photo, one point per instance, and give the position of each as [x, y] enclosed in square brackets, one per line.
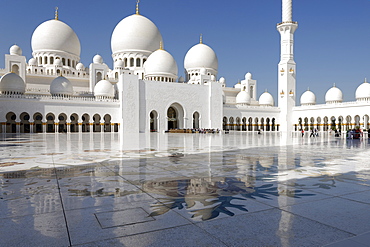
[333, 123]
[51, 123]
[250, 124]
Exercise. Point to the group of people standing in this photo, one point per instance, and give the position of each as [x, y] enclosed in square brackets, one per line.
[313, 132]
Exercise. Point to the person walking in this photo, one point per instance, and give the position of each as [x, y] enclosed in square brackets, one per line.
[302, 131]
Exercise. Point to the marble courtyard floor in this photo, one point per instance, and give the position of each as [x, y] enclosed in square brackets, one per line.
[237, 189]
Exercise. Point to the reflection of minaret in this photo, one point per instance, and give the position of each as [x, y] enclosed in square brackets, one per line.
[287, 67]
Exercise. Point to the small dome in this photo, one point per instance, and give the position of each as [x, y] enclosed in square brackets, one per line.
[363, 91]
[55, 35]
[58, 62]
[222, 80]
[61, 86]
[201, 56]
[238, 86]
[266, 99]
[15, 50]
[243, 98]
[119, 64]
[12, 83]
[80, 66]
[98, 59]
[104, 89]
[334, 95]
[248, 76]
[161, 63]
[308, 98]
[213, 78]
[135, 33]
[32, 62]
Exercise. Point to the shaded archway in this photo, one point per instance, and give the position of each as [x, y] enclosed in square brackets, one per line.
[175, 117]
[196, 120]
[85, 122]
[50, 123]
[11, 126]
[250, 124]
[107, 123]
[237, 123]
[231, 123]
[244, 124]
[62, 126]
[74, 122]
[224, 123]
[153, 121]
[96, 126]
[37, 123]
[25, 123]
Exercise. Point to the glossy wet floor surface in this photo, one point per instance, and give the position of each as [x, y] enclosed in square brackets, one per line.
[240, 189]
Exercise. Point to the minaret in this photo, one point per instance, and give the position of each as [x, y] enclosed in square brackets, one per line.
[287, 67]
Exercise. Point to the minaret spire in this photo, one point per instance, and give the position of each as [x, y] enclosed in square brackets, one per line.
[201, 39]
[287, 67]
[137, 7]
[56, 13]
[287, 11]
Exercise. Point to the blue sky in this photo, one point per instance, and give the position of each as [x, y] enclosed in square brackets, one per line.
[332, 43]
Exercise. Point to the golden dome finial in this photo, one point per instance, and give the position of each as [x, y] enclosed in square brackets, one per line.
[201, 39]
[137, 7]
[56, 13]
[161, 45]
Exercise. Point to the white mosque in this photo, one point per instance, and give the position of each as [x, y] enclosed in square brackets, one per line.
[54, 92]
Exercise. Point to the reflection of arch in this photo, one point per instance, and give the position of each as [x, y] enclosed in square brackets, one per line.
[96, 119]
[196, 120]
[153, 121]
[25, 123]
[224, 123]
[85, 122]
[74, 122]
[11, 126]
[107, 123]
[175, 116]
[50, 123]
[62, 123]
[37, 123]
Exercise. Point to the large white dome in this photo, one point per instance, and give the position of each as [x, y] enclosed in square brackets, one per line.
[363, 91]
[135, 33]
[12, 83]
[334, 95]
[308, 98]
[266, 99]
[201, 56]
[161, 63]
[104, 89]
[61, 86]
[55, 35]
[243, 98]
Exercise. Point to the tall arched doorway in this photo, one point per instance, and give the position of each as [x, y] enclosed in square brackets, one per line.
[175, 117]
[196, 120]
[153, 121]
